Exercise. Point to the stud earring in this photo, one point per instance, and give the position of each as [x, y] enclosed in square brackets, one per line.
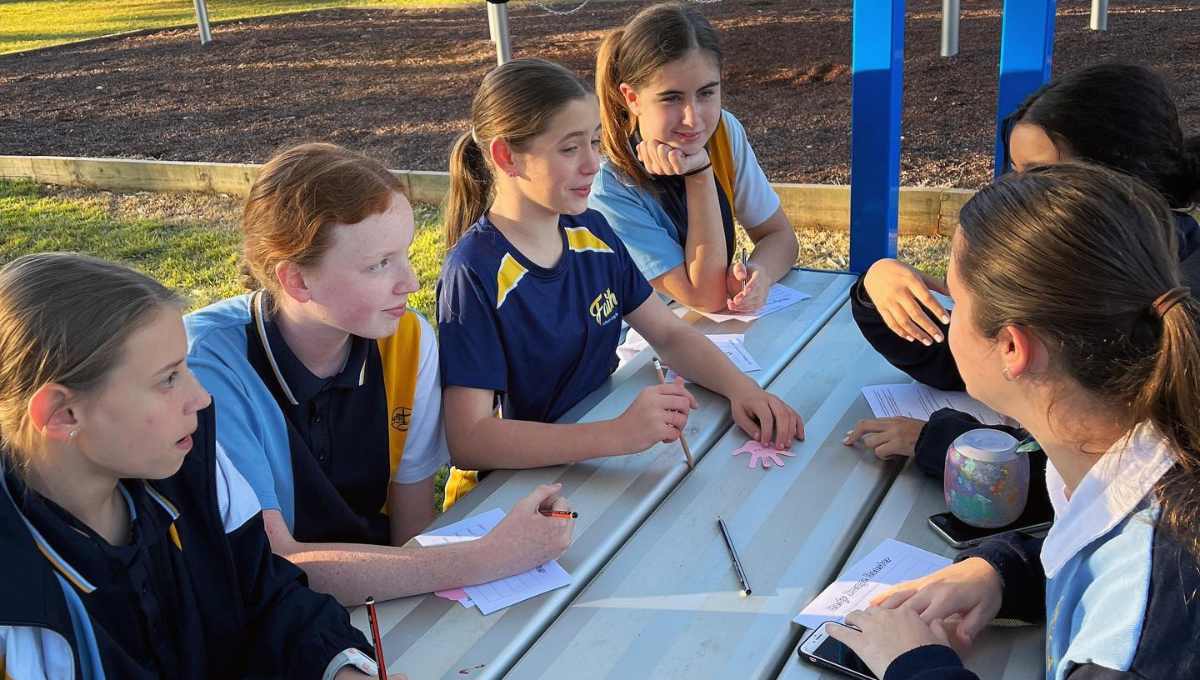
[1006, 374]
[72, 434]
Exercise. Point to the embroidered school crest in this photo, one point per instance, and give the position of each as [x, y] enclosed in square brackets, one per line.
[400, 418]
[604, 308]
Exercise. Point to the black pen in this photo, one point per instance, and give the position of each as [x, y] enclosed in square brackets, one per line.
[737, 563]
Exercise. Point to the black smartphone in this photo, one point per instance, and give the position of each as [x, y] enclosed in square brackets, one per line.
[1037, 516]
[823, 650]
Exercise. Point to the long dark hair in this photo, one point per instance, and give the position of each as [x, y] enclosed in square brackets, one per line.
[515, 102]
[1079, 255]
[1121, 116]
[632, 54]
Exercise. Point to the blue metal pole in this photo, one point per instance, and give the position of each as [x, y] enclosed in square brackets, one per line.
[877, 61]
[1026, 48]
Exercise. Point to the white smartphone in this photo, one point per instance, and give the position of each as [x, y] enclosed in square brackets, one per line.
[823, 650]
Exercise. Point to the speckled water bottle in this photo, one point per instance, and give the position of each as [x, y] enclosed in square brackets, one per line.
[986, 480]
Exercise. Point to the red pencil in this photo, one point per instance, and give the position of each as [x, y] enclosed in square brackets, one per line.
[560, 514]
[379, 660]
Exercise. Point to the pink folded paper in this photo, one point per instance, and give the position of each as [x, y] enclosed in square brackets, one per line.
[456, 594]
[763, 455]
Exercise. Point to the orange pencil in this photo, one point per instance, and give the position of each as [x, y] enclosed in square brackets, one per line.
[687, 451]
[560, 514]
[379, 660]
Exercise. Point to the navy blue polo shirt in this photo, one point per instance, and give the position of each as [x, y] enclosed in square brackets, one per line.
[541, 337]
[337, 431]
[138, 595]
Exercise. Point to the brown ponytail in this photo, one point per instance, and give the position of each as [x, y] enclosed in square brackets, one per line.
[470, 187]
[515, 102]
[1080, 255]
[633, 54]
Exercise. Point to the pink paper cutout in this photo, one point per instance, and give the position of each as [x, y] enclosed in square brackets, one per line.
[764, 455]
[455, 594]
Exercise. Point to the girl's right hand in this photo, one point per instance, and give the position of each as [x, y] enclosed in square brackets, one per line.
[525, 538]
[664, 159]
[658, 414]
[971, 589]
[898, 292]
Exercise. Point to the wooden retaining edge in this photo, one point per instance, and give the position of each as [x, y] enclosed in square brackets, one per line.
[923, 210]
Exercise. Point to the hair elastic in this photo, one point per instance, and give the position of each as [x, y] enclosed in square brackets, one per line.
[1163, 303]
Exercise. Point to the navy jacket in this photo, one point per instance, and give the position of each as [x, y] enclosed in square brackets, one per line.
[1168, 648]
[934, 365]
[250, 613]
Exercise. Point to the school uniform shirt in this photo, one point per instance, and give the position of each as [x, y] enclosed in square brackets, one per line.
[195, 593]
[321, 451]
[1118, 596]
[934, 365]
[652, 221]
[541, 338]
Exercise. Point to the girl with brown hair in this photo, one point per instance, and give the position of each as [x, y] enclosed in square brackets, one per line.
[536, 285]
[132, 546]
[679, 169]
[1071, 316]
[328, 393]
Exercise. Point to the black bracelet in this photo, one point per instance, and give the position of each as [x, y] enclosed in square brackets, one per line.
[697, 171]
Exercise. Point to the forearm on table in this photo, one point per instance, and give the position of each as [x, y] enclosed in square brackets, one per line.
[496, 443]
[692, 355]
[353, 572]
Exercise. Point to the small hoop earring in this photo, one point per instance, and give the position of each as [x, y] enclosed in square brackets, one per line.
[1006, 374]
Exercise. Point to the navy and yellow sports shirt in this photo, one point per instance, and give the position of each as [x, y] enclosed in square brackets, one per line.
[542, 338]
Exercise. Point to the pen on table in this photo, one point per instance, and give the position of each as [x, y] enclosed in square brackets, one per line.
[737, 562]
[687, 450]
[560, 514]
[379, 660]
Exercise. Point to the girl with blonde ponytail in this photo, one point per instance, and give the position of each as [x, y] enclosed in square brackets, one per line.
[1071, 317]
[680, 170]
[535, 288]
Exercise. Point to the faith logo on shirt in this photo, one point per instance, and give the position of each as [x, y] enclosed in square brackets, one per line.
[604, 307]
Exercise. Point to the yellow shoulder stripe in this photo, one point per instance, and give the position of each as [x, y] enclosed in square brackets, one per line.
[721, 155]
[580, 239]
[510, 274]
[400, 354]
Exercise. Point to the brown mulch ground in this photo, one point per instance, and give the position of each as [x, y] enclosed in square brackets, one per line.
[397, 84]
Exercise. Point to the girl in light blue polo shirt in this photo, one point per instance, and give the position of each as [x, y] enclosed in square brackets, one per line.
[679, 170]
[536, 285]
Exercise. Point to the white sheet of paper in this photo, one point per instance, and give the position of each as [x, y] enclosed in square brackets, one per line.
[498, 594]
[779, 297]
[732, 345]
[501, 593]
[891, 563]
[920, 401]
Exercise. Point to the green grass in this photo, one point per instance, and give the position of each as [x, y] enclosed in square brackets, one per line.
[190, 255]
[26, 24]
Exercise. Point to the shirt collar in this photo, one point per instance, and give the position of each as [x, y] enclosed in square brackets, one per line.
[299, 384]
[1106, 495]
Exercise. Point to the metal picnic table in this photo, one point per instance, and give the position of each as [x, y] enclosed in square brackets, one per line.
[668, 604]
[430, 637]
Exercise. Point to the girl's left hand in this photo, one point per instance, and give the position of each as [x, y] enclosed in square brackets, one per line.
[886, 635]
[747, 288]
[766, 418]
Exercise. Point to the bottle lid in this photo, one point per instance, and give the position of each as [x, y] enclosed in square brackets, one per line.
[987, 445]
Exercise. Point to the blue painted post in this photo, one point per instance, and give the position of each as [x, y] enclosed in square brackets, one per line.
[877, 61]
[1026, 48]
